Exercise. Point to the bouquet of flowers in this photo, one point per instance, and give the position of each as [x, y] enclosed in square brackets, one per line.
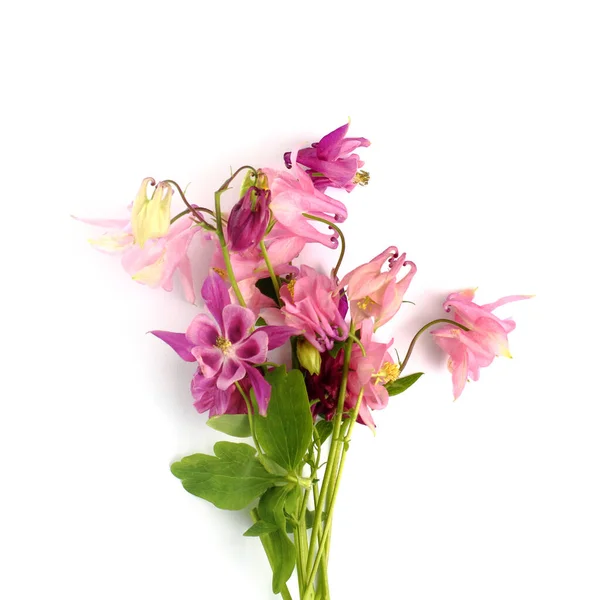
[296, 412]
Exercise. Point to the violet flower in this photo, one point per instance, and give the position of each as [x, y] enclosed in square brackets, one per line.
[249, 219]
[331, 162]
[226, 348]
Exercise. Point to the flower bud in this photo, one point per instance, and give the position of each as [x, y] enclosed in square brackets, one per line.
[151, 217]
[308, 356]
[249, 219]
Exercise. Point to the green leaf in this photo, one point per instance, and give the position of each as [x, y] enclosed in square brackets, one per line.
[260, 322]
[281, 553]
[234, 425]
[266, 288]
[310, 519]
[286, 432]
[271, 505]
[400, 385]
[260, 528]
[323, 430]
[230, 480]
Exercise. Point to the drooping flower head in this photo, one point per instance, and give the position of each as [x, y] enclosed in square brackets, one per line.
[225, 347]
[311, 307]
[487, 336]
[373, 293]
[249, 219]
[331, 162]
[294, 194]
[152, 248]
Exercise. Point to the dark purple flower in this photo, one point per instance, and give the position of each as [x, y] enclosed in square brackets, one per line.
[331, 162]
[249, 219]
[226, 350]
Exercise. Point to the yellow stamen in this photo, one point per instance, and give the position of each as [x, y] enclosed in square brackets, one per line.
[290, 286]
[223, 344]
[389, 372]
[361, 178]
[365, 303]
[221, 272]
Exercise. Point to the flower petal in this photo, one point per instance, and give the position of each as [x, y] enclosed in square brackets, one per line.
[209, 359]
[253, 349]
[233, 370]
[262, 390]
[237, 322]
[177, 341]
[202, 331]
[216, 296]
[278, 335]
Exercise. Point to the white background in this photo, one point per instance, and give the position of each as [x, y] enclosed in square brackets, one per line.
[485, 126]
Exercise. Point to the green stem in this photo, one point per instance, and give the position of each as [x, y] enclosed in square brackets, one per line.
[268, 548]
[250, 416]
[224, 249]
[329, 519]
[195, 210]
[331, 461]
[423, 329]
[342, 239]
[187, 211]
[274, 279]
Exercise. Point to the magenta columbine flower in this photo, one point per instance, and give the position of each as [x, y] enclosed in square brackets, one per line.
[249, 219]
[226, 349]
[331, 162]
[487, 336]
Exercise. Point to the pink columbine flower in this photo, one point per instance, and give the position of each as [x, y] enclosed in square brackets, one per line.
[226, 348]
[331, 162]
[311, 308]
[293, 194]
[370, 372]
[377, 294]
[159, 259]
[487, 336]
[249, 219]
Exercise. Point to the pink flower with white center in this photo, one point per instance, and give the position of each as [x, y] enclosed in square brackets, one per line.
[331, 162]
[226, 348]
[370, 372]
[311, 307]
[293, 194]
[487, 336]
[373, 293]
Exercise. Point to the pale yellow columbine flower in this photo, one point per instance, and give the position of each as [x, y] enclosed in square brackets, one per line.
[151, 217]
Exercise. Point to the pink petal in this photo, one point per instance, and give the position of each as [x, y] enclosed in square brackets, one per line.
[237, 322]
[262, 390]
[202, 331]
[233, 370]
[216, 296]
[253, 349]
[209, 359]
[178, 342]
[278, 335]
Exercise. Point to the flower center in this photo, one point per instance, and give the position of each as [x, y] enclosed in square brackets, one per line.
[364, 303]
[221, 272]
[361, 178]
[389, 372]
[223, 344]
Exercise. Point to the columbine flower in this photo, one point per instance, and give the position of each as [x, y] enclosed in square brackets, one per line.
[156, 263]
[330, 162]
[151, 217]
[226, 349]
[487, 336]
[375, 294]
[311, 308]
[293, 194]
[370, 372]
[249, 219]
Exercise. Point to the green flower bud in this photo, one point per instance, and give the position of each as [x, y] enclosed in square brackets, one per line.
[309, 356]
